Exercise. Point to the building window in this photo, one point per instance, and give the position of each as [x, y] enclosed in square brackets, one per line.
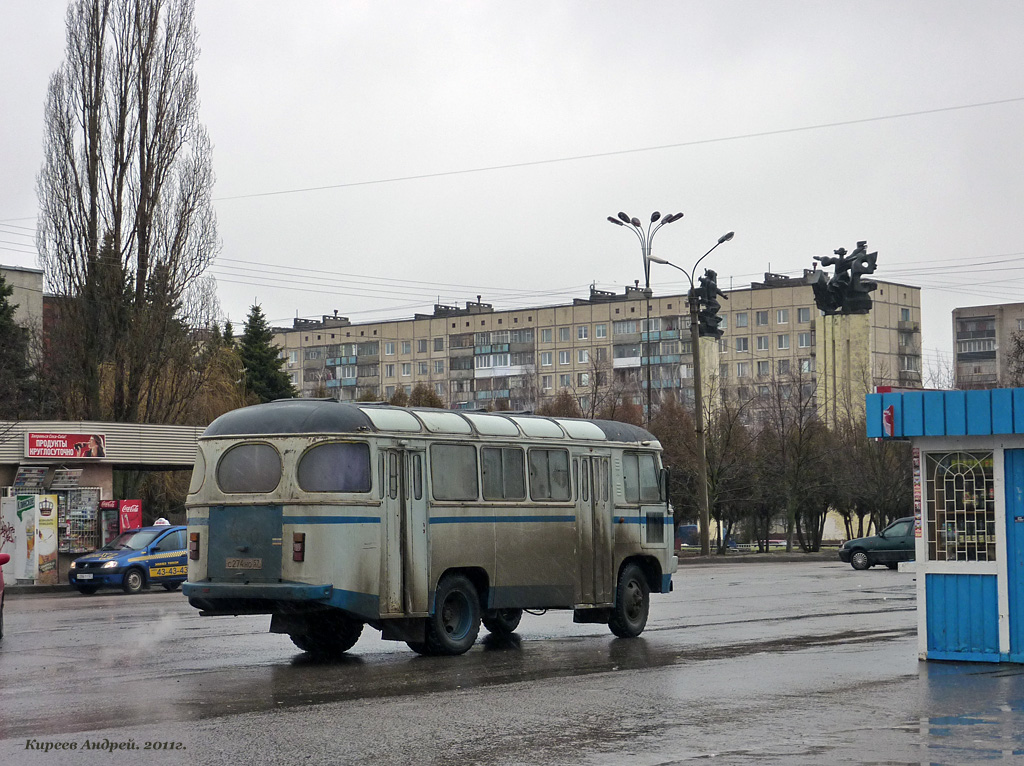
[905, 339]
[910, 363]
[389, 391]
[293, 357]
[423, 368]
[545, 336]
[782, 316]
[602, 353]
[686, 371]
[803, 315]
[439, 389]
[783, 367]
[743, 344]
[743, 369]
[584, 378]
[389, 348]
[904, 315]
[389, 370]
[545, 382]
[762, 318]
[805, 339]
[741, 319]
[762, 343]
[406, 369]
[600, 331]
[582, 356]
[563, 334]
[545, 358]
[438, 344]
[723, 371]
[439, 367]
[626, 327]
[582, 332]
[783, 342]
[563, 357]
[564, 381]
[806, 365]
[961, 515]
[763, 369]
[406, 346]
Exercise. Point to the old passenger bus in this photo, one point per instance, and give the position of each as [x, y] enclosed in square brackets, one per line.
[421, 523]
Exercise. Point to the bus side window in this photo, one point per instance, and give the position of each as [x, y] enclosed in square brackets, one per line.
[549, 474]
[631, 477]
[417, 476]
[380, 476]
[392, 475]
[585, 482]
[453, 474]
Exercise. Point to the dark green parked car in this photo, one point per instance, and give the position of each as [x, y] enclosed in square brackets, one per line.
[892, 545]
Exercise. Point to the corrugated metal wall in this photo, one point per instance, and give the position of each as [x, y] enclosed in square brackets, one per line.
[136, 443]
[963, 617]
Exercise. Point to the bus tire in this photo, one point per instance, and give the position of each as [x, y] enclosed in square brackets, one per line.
[632, 603]
[327, 635]
[453, 627]
[502, 622]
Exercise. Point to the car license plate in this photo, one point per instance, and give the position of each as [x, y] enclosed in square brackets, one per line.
[244, 564]
[85, 576]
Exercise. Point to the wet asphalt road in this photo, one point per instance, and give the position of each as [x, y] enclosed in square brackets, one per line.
[747, 663]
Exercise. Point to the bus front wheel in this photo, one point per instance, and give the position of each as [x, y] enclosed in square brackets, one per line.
[632, 603]
[454, 625]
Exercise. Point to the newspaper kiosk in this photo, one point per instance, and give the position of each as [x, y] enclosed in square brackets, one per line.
[968, 458]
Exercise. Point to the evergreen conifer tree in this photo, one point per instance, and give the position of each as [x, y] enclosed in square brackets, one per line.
[15, 369]
[263, 374]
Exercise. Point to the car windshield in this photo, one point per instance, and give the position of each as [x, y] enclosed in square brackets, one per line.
[131, 541]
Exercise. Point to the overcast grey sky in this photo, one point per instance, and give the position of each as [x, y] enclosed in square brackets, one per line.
[378, 157]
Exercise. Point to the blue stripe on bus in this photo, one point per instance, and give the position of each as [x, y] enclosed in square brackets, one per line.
[330, 520]
[497, 519]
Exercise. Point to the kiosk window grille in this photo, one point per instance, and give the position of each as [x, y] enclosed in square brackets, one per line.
[961, 523]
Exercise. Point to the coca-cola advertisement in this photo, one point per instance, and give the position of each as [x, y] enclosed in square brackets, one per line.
[130, 514]
[85, 446]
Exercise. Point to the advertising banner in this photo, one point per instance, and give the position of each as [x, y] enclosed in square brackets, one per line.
[50, 445]
[18, 532]
[46, 539]
[130, 514]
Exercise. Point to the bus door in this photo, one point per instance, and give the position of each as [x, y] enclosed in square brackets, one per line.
[595, 530]
[405, 532]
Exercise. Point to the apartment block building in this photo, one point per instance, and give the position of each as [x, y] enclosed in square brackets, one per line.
[983, 345]
[611, 344]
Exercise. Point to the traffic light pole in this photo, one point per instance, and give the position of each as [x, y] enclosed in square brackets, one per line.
[698, 406]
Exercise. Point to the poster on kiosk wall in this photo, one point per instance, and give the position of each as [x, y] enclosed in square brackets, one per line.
[130, 514]
[28, 532]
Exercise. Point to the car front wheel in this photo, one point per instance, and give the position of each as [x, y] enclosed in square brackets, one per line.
[133, 581]
[860, 560]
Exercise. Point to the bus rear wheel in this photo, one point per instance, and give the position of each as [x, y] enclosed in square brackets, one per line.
[453, 627]
[502, 622]
[327, 635]
[632, 603]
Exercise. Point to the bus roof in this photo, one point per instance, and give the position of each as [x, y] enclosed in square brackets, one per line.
[295, 416]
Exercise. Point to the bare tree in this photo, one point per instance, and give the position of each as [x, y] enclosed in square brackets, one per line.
[126, 226]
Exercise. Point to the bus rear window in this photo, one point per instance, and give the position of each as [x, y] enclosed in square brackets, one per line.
[336, 467]
[249, 468]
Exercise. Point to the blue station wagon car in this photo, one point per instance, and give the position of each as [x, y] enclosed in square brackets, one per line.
[134, 560]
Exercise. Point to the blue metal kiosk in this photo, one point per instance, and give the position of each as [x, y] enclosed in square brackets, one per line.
[968, 456]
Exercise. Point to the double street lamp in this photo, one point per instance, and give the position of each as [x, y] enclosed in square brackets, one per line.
[698, 403]
[645, 237]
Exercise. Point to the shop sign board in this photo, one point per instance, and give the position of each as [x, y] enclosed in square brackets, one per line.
[64, 445]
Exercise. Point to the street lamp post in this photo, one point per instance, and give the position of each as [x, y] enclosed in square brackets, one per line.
[698, 402]
[645, 237]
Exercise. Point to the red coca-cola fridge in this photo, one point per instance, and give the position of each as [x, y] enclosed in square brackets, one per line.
[109, 525]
